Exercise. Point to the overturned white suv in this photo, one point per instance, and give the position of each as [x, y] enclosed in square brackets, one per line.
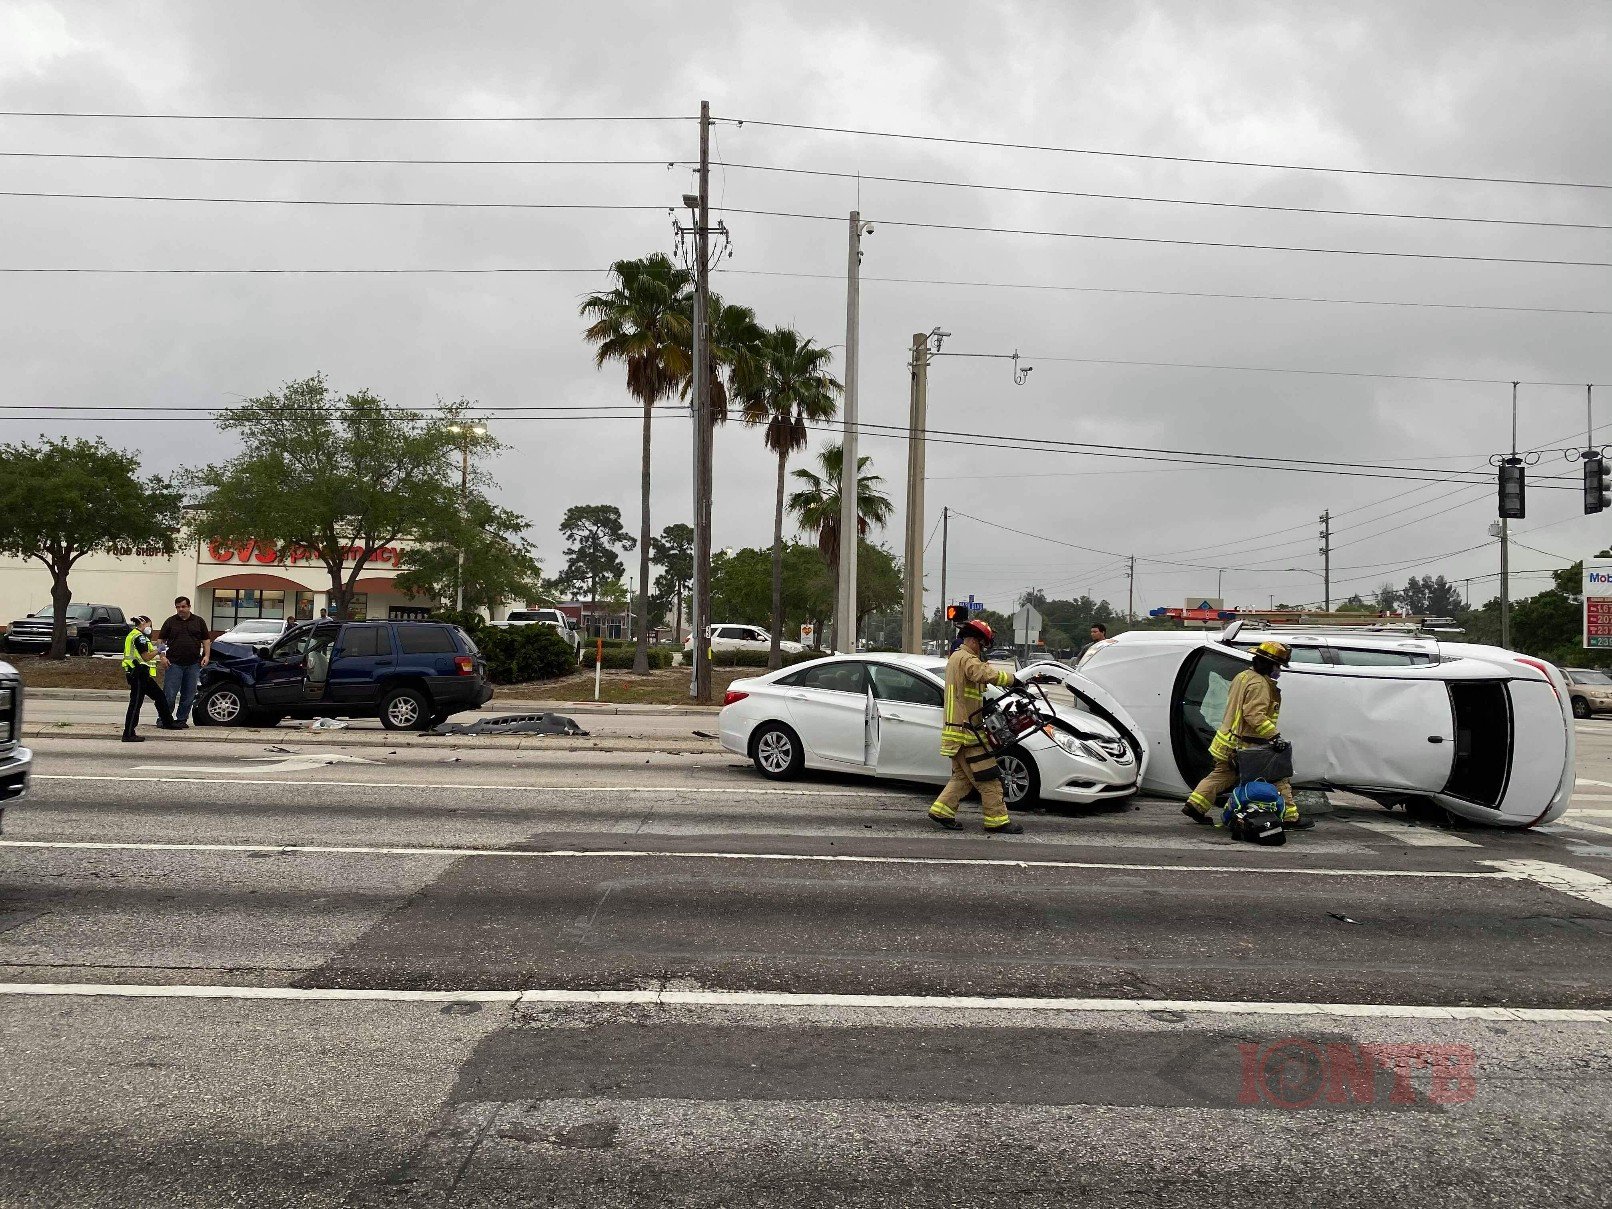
[1484, 732]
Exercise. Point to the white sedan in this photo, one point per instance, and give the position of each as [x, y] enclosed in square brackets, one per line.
[728, 637]
[880, 715]
[1483, 732]
[256, 631]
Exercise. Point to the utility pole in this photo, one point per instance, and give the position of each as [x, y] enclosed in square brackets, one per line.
[912, 596]
[1130, 604]
[945, 527]
[850, 537]
[1326, 561]
[1505, 584]
[467, 432]
[700, 684]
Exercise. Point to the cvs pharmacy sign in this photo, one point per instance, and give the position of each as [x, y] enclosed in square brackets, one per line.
[267, 554]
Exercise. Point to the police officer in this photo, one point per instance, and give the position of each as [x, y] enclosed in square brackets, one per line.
[140, 670]
[973, 766]
[1253, 709]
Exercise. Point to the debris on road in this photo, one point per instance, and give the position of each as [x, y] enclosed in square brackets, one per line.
[703, 734]
[512, 724]
[283, 750]
[1342, 918]
[326, 724]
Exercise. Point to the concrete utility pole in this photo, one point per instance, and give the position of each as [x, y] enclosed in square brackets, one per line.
[467, 433]
[700, 683]
[912, 596]
[845, 602]
[945, 533]
[1130, 604]
[1326, 561]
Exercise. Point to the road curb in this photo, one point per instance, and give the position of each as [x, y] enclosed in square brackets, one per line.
[306, 739]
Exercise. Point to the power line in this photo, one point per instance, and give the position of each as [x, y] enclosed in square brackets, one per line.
[1167, 201]
[1088, 289]
[338, 117]
[293, 272]
[335, 201]
[1187, 243]
[1268, 369]
[326, 159]
[1170, 159]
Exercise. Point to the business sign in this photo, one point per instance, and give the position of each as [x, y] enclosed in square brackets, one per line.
[265, 553]
[1202, 612]
[1597, 605]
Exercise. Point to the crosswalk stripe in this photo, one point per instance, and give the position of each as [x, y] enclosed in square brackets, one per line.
[1415, 837]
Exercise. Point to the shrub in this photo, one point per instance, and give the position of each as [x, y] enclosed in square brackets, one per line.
[521, 654]
[759, 658]
[471, 623]
[620, 658]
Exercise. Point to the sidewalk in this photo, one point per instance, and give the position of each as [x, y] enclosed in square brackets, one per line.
[498, 705]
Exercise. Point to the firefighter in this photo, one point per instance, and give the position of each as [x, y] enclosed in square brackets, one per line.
[1253, 709]
[140, 670]
[973, 767]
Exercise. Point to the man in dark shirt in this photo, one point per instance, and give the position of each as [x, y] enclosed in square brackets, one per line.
[188, 647]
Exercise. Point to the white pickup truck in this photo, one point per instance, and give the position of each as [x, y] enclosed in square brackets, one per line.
[549, 617]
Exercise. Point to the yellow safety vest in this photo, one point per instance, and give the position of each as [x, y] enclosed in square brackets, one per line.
[132, 658]
[966, 677]
[1253, 708]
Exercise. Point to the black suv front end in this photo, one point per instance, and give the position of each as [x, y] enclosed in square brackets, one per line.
[16, 761]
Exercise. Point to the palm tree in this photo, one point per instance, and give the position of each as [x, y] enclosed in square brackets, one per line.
[793, 389]
[816, 507]
[644, 321]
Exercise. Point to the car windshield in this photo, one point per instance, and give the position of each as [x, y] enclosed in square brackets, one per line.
[78, 612]
[257, 627]
[1586, 677]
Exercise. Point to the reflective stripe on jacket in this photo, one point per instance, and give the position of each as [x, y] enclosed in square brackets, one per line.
[133, 655]
[1253, 708]
[966, 677]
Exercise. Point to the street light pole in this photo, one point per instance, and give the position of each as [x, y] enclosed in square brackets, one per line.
[912, 596]
[845, 601]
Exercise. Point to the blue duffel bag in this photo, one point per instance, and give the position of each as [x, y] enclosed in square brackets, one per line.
[1254, 813]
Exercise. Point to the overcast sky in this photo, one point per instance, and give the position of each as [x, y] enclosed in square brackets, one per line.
[1464, 88]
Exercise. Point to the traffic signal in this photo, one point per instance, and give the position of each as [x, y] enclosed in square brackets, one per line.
[1512, 489]
[1597, 482]
[957, 614]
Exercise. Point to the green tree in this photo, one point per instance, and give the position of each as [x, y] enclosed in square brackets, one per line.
[62, 499]
[336, 477]
[741, 585]
[737, 355]
[793, 389]
[498, 565]
[816, 508]
[674, 555]
[878, 581]
[644, 321]
[593, 533]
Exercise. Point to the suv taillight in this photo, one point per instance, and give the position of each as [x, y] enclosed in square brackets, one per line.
[733, 697]
[465, 664]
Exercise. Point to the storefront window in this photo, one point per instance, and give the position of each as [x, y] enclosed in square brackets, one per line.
[358, 608]
[232, 605]
[304, 606]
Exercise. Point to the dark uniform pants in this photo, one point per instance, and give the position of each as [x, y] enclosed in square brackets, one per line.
[974, 768]
[143, 684]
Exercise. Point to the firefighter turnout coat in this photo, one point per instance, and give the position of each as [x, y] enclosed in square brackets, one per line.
[966, 678]
[1253, 709]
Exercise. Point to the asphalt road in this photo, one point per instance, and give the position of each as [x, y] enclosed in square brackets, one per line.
[550, 974]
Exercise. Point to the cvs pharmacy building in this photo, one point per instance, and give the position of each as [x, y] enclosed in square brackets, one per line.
[227, 583]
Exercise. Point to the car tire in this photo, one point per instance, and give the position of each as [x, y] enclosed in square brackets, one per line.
[223, 705]
[777, 752]
[405, 709]
[1021, 779]
[84, 647]
[1581, 708]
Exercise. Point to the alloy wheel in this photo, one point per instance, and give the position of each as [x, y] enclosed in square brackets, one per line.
[403, 712]
[775, 751]
[1015, 779]
[223, 707]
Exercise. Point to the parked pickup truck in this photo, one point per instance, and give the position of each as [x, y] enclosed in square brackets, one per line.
[15, 759]
[553, 618]
[91, 629]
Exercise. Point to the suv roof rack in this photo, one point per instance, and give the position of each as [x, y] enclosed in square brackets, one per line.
[1409, 627]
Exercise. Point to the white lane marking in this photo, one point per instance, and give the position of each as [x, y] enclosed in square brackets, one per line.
[1415, 837]
[812, 858]
[257, 764]
[1573, 824]
[1591, 887]
[1602, 784]
[785, 999]
[1592, 797]
[796, 793]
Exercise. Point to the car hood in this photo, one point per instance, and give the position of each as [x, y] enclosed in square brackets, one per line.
[1095, 705]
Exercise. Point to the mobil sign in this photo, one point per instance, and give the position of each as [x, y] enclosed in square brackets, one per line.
[1597, 604]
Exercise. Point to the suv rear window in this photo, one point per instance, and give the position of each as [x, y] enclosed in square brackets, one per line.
[1363, 658]
[426, 640]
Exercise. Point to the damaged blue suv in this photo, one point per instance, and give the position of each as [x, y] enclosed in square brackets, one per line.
[410, 674]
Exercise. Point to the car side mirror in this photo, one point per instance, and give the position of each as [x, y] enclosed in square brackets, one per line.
[262, 652]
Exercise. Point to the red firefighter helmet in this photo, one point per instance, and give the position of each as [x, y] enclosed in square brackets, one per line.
[980, 630]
